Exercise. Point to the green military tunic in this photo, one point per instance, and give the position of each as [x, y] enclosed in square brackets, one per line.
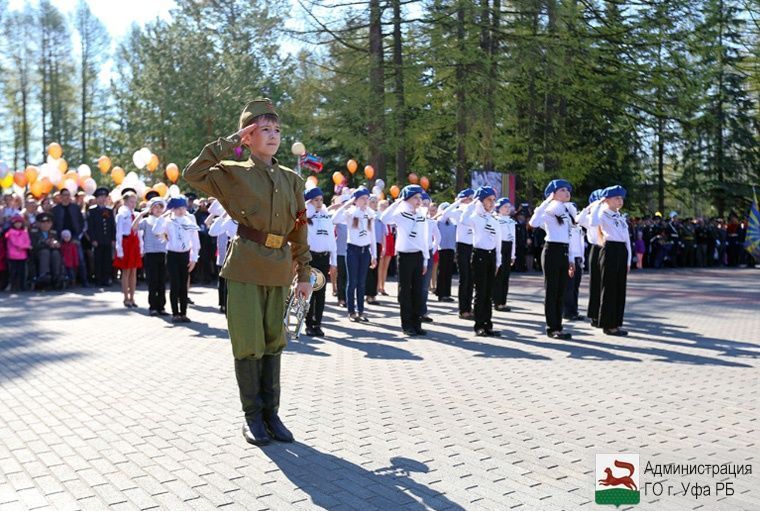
[268, 198]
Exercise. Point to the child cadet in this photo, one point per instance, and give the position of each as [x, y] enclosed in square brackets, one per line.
[594, 271]
[267, 202]
[324, 254]
[464, 250]
[486, 255]
[154, 255]
[576, 251]
[413, 253]
[508, 249]
[554, 217]
[614, 258]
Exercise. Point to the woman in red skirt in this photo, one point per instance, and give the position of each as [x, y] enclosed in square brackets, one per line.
[128, 250]
[387, 253]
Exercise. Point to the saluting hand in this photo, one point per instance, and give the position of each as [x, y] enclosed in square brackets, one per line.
[245, 133]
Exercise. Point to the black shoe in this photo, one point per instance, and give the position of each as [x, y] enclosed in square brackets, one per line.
[466, 315]
[255, 432]
[162, 313]
[410, 332]
[152, 313]
[503, 308]
[190, 301]
[363, 318]
[426, 319]
[481, 332]
[577, 317]
[354, 317]
[319, 331]
[419, 331]
[558, 334]
[618, 332]
[311, 332]
[184, 319]
[223, 309]
[594, 323]
[176, 319]
[492, 333]
[446, 299]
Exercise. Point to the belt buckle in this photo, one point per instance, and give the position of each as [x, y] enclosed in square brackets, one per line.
[274, 241]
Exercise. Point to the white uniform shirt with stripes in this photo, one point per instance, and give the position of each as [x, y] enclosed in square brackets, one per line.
[181, 234]
[361, 235]
[411, 228]
[612, 224]
[454, 214]
[486, 230]
[321, 235]
[554, 217]
[507, 227]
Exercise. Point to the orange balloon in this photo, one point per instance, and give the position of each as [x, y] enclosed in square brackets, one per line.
[20, 178]
[172, 172]
[62, 165]
[72, 174]
[37, 189]
[104, 164]
[153, 163]
[313, 180]
[352, 166]
[47, 185]
[395, 191]
[55, 150]
[117, 174]
[31, 174]
[337, 177]
[413, 178]
[424, 183]
[161, 188]
[369, 172]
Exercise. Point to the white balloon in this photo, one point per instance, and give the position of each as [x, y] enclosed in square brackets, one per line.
[3, 169]
[140, 188]
[380, 183]
[132, 178]
[298, 149]
[376, 190]
[89, 186]
[55, 175]
[115, 193]
[174, 191]
[71, 186]
[84, 170]
[137, 159]
[309, 185]
[51, 160]
[146, 154]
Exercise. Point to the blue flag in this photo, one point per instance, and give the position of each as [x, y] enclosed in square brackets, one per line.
[752, 243]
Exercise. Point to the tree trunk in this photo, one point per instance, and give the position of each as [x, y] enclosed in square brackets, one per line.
[398, 65]
[461, 119]
[376, 114]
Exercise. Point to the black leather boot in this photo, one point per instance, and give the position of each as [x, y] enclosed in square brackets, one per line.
[270, 392]
[248, 372]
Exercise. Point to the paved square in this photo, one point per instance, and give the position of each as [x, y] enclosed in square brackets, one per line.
[102, 407]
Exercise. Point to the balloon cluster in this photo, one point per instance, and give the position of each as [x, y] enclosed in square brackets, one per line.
[145, 159]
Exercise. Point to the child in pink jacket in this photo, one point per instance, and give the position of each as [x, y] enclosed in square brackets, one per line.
[18, 244]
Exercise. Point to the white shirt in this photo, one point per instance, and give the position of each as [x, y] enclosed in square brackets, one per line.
[181, 234]
[592, 233]
[454, 214]
[361, 235]
[412, 234]
[612, 224]
[507, 227]
[223, 228]
[577, 247]
[486, 231]
[554, 217]
[321, 232]
[434, 234]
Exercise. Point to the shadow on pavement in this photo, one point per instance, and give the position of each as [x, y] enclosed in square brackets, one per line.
[320, 475]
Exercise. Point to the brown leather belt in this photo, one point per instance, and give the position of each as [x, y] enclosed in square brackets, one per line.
[262, 238]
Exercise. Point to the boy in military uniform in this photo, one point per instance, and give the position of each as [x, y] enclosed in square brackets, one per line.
[267, 202]
[101, 229]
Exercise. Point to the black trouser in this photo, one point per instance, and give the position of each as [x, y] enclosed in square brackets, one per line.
[17, 271]
[103, 256]
[571, 293]
[483, 272]
[445, 271]
[342, 278]
[501, 286]
[594, 282]
[320, 261]
[410, 289]
[221, 286]
[155, 273]
[555, 265]
[370, 286]
[464, 262]
[613, 260]
[176, 264]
